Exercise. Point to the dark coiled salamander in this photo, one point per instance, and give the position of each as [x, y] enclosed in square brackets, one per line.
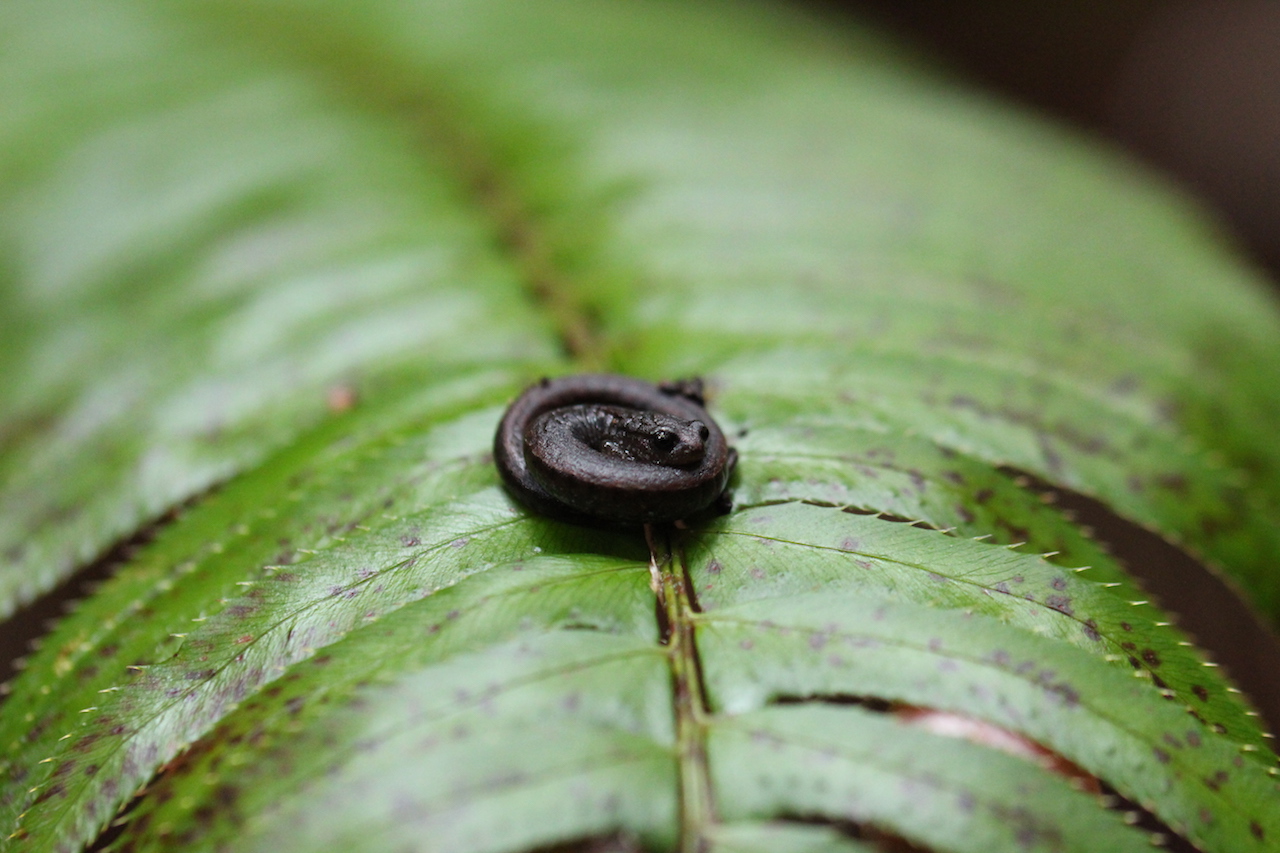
[613, 451]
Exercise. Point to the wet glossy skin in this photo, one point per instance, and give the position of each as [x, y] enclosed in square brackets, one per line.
[613, 451]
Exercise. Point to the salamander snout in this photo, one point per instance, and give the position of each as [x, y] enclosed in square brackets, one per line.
[681, 442]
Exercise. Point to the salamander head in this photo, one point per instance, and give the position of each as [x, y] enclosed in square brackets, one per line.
[677, 442]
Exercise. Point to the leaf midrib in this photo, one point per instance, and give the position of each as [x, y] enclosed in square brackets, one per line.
[355, 74]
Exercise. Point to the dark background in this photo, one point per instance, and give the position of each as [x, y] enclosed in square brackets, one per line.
[1191, 87]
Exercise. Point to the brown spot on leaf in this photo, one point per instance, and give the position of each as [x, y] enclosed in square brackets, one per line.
[83, 744]
[205, 815]
[340, 398]
[1217, 780]
[1070, 697]
[1060, 603]
[1176, 483]
[56, 790]
[226, 796]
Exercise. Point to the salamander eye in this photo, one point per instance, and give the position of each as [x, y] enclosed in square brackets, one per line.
[665, 440]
